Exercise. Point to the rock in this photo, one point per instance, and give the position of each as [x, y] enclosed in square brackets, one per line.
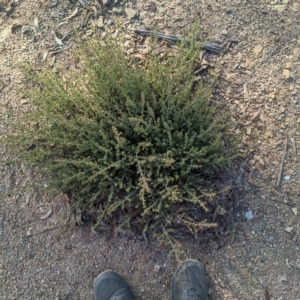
[279, 7]
[131, 13]
[257, 49]
[249, 215]
[288, 65]
[287, 74]
[56, 14]
[281, 109]
[225, 31]
[283, 278]
[54, 4]
[271, 238]
[24, 101]
[156, 268]
[106, 2]
[296, 52]
[110, 22]
[288, 229]
[118, 10]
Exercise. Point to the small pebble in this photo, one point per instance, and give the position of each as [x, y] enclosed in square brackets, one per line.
[54, 4]
[156, 268]
[271, 238]
[131, 13]
[110, 22]
[249, 215]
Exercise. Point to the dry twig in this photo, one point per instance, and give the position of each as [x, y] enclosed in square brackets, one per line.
[243, 98]
[173, 39]
[282, 162]
[294, 145]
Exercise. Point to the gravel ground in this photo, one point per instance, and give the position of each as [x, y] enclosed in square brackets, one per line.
[259, 77]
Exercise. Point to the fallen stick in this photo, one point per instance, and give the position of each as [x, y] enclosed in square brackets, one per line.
[294, 146]
[282, 162]
[243, 98]
[173, 39]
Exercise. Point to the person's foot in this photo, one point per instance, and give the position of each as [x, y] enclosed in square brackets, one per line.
[189, 282]
[111, 286]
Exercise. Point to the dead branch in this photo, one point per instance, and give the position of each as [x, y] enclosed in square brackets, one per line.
[282, 162]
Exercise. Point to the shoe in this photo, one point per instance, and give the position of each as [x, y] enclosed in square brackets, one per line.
[111, 286]
[189, 282]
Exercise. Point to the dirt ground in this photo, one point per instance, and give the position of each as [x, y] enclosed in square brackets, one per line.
[259, 77]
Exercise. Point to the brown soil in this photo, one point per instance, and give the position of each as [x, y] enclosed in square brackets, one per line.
[259, 259]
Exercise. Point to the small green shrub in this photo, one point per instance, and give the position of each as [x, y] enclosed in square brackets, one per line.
[124, 136]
